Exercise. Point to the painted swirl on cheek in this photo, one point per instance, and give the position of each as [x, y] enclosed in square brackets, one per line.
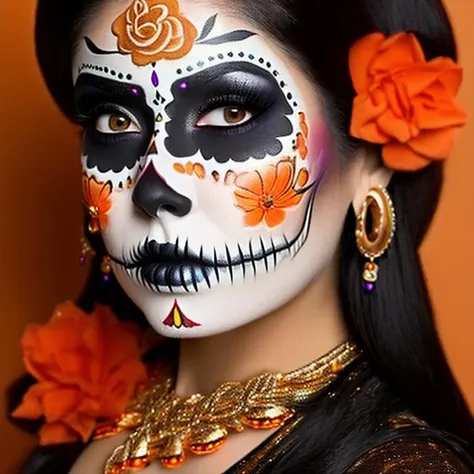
[233, 84]
[95, 96]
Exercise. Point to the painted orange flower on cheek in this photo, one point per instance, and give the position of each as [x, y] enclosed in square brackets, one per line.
[98, 202]
[266, 194]
[151, 30]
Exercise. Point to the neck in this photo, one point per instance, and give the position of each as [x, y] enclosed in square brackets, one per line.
[303, 330]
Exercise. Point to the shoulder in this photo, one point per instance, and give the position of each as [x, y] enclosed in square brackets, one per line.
[410, 456]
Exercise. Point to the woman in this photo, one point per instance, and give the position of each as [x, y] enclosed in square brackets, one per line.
[259, 176]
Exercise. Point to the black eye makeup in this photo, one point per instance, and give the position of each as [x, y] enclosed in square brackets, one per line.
[117, 122]
[234, 111]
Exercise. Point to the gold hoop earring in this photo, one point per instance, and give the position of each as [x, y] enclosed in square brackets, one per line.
[373, 243]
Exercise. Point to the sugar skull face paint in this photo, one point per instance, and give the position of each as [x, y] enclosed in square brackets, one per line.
[203, 165]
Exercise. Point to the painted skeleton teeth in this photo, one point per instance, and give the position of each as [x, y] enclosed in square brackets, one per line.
[232, 265]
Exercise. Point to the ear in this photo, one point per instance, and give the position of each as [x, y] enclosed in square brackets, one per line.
[369, 172]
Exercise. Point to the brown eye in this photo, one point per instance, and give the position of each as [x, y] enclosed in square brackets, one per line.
[225, 117]
[119, 123]
[116, 123]
[233, 115]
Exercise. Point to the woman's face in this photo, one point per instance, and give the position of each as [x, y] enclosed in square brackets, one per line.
[208, 164]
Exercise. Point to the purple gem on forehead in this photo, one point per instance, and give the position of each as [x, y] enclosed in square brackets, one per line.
[183, 86]
[135, 91]
[154, 79]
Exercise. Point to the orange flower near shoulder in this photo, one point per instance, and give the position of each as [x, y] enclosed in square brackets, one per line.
[266, 194]
[404, 102]
[87, 368]
[98, 202]
[151, 30]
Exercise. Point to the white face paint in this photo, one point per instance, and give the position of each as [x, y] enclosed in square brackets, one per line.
[202, 157]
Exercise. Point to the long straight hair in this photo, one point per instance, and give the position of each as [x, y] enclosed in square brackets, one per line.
[394, 326]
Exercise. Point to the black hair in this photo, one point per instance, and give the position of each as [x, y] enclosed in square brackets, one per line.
[394, 325]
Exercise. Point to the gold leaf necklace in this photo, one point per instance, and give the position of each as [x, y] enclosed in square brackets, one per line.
[164, 426]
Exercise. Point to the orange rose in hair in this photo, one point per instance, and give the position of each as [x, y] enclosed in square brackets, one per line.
[87, 367]
[151, 30]
[403, 101]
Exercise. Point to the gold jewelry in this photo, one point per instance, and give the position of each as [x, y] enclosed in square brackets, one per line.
[372, 244]
[86, 250]
[105, 268]
[165, 425]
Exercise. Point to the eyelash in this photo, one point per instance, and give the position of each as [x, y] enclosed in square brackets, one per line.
[90, 119]
[250, 100]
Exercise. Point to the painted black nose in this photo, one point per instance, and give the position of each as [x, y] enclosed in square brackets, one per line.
[151, 194]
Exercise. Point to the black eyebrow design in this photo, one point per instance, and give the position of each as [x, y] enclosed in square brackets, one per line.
[207, 28]
[232, 37]
[93, 48]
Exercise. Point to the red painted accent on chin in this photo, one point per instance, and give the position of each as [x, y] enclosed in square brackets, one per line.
[176, 318]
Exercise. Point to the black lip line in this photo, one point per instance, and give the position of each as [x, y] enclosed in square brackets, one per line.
[142, 257]
[184, 284]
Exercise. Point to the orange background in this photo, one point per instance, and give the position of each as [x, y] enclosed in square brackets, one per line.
[41, 213]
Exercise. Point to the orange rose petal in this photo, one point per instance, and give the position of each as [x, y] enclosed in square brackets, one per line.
[417, 80]
[284, 172]
[445, 116]
[56, 433]
[251, 182]
[274, 217]
[83, 425]
[391, 125]
[397, 100]
[253, 218]
[58, 403]
[130, 369]
[400, 157]
[451, 74]
[31, 406]
[363, 125]
[399, 50]
[360, 57]
[434, 144]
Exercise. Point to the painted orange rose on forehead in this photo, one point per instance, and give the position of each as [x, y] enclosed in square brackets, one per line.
[151, 30]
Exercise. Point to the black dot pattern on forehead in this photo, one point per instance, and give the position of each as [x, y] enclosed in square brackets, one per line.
[201, 63]
[112, 72]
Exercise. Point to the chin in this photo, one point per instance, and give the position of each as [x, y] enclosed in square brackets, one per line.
[224, 307]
